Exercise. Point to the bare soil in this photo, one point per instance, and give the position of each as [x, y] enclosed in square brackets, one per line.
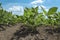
[17, 32]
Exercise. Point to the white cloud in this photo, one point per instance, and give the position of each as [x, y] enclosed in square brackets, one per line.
[39, 7]
[34, 6]
[37, 1]
[16, 10]
[43, 7]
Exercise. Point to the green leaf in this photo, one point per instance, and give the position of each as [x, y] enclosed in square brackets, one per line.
[44, 10]
[36, 9]
[52, 10]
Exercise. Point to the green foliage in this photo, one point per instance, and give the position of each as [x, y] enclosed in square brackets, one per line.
[31, 18]
[52, 10]
[44, 11]
[30, 15]
[7, 17]
[51, 15]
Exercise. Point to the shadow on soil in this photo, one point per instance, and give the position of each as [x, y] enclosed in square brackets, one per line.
[3, 27]
[41, 33]
[23, 32]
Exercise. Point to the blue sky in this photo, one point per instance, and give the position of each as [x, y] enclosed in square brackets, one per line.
[17, 6]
